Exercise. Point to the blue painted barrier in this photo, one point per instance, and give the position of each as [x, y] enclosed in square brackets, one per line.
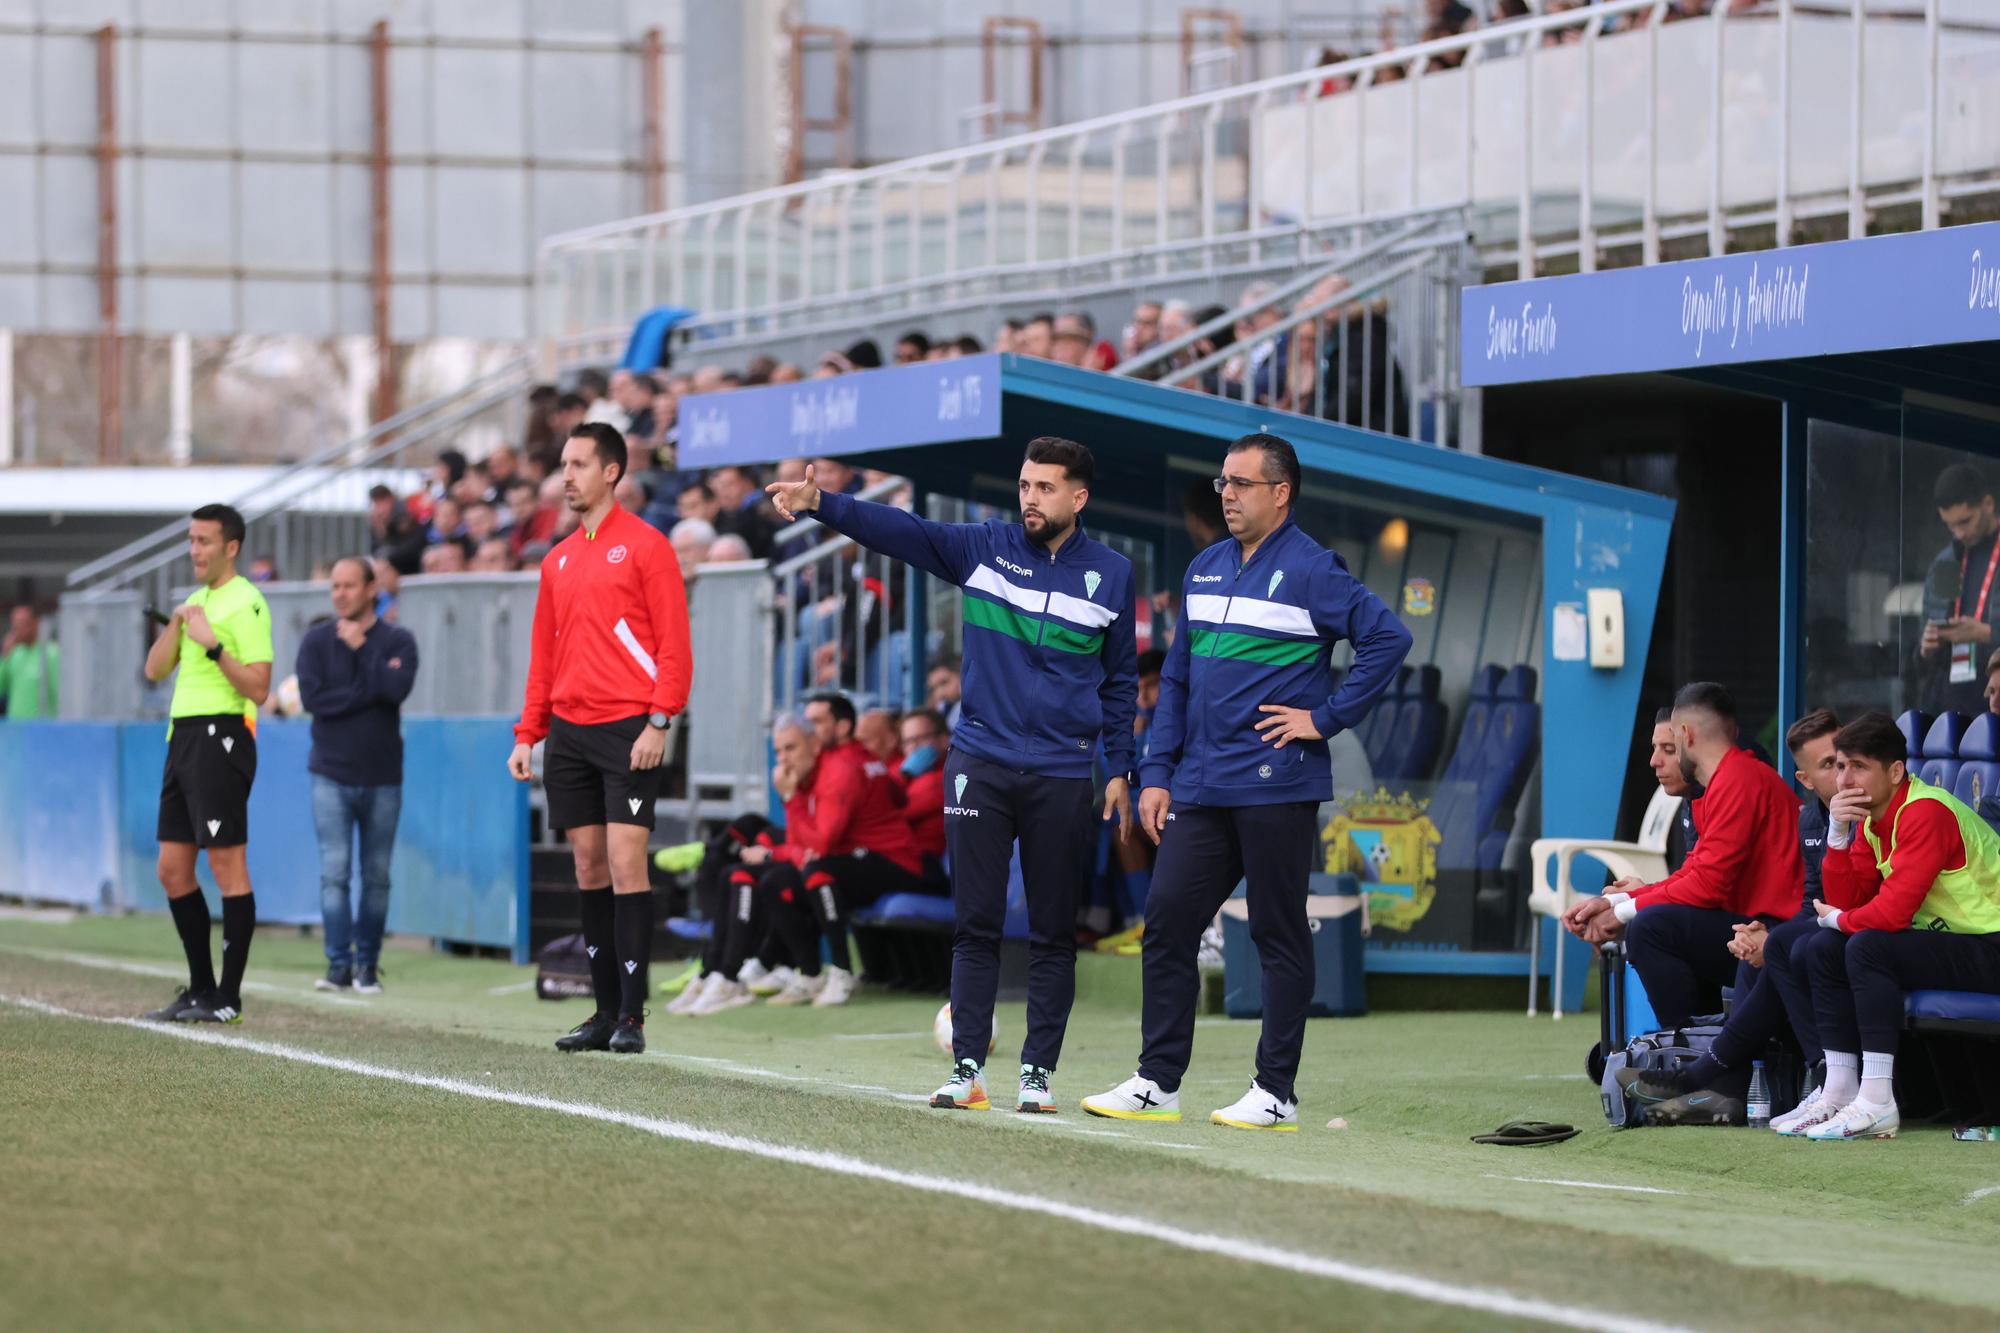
[59, 829]
[82, 799]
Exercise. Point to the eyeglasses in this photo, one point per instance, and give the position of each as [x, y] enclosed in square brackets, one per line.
[1222, 484]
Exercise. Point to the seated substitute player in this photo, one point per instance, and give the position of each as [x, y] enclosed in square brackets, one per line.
[1712, 1089]
[925, 739]
[722, 884]
[1912, 880]
[1744, 867]
[1236, 771]
[608, 671]
[847, 844]
[220, 642]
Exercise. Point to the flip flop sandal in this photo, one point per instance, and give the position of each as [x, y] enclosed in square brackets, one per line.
[1527, 1134]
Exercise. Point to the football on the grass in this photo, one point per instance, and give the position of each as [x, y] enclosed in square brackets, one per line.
[941, 1030]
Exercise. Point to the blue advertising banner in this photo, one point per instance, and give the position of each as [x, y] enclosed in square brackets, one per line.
[1915, 290]
[929, 403]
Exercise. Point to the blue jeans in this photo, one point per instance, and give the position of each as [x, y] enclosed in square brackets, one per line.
[354, 938]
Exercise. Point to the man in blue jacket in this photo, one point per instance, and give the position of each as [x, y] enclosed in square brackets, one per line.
[354, 673]
[1237, 766]
[1049, 672]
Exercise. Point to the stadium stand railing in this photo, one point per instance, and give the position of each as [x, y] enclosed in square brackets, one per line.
[1600, 135]
[296, 502]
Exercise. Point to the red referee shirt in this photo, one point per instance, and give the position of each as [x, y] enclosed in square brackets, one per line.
[611, 630]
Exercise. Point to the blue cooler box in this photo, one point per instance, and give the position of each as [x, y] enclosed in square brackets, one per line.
[1334, 910]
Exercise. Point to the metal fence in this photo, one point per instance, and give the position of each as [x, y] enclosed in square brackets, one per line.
[1598, 134]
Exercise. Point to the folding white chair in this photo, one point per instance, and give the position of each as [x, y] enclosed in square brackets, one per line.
[1645, 859]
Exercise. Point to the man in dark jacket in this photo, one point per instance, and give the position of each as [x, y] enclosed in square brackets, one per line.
[1049, 676]
[354, 673]
[1960, 608]
[1236, 768]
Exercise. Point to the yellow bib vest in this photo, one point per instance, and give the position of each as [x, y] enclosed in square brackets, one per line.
[1965, 901]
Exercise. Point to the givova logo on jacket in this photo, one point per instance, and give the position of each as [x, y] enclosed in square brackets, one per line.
[1390, 844]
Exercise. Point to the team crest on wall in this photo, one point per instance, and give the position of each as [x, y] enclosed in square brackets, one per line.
[1390, 844]
[1419, 597]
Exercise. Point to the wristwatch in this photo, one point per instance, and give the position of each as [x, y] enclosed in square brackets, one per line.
[658, 719]
[1131, 776]
[215, 653]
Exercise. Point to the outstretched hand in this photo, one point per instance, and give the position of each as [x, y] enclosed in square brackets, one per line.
[793, 498]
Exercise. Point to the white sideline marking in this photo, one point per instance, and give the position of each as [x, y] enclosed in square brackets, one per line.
[510, 988]
[1584, 1184]
[877, 1036]
[1484, 1299]
[53, 916]
[174, 974]
[1979, 1194]
[754, 1071]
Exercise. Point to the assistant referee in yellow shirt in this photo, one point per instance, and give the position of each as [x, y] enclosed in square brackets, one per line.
[220, 642]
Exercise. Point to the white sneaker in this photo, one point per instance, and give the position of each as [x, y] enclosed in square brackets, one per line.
[770, 980]
[752, 972]
[840, 987]
[1858, 1120]
[1036, 1099]
[1812, 1110]
[799, 990]
[965, 1090]
[1258, 1109]
[718, 994]
[690, 995]
[1135, 1099]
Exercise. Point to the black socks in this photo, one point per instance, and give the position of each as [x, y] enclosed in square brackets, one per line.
[632, 926]
[1711, 1074]
[192, 921]
[599, 937]
[239, 920]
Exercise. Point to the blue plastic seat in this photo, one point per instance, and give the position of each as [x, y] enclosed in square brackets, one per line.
[1418, 729]
[1915, 725]
[1378, 730]
[1979, 761]
[1941, 763]
[1952, 1006]
[646, 349]
[1496, 749]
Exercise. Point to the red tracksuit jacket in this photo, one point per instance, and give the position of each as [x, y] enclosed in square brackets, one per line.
[1927, 844]
[850, 802]
[1747, 858]
[611, 630]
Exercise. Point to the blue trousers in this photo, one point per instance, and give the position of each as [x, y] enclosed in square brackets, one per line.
[1856, 984]
[987, 808]
[1762, 1010]
[1205, 851]
[1682, 955]
[340, 816]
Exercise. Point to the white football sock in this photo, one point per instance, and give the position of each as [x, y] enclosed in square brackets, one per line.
[1878, 1074]
[1843, 1077]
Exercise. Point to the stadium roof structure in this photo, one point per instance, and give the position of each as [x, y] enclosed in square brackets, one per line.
[958, 428]
[1872, 332]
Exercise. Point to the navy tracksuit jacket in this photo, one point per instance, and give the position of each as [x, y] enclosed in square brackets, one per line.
[1252, 632]
[1051, 671]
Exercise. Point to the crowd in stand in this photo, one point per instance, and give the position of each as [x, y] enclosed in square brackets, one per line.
[1442, 19]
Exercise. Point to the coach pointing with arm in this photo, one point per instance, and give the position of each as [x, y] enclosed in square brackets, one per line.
[1050, 670]
[1237, 767]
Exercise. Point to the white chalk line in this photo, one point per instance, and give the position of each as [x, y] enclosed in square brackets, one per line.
[511, 988]
[1982, 1193]
[1584, 1184]
[175, 974]
[1438, 1292]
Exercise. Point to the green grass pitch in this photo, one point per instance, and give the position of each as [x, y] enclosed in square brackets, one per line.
[423, 1159]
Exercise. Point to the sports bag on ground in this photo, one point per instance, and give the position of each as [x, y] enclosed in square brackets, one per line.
[562, 969]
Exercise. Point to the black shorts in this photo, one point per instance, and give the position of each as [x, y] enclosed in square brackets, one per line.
[205, 788]
[587, 773]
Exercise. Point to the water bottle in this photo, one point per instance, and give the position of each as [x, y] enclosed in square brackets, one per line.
[1757, 1105]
